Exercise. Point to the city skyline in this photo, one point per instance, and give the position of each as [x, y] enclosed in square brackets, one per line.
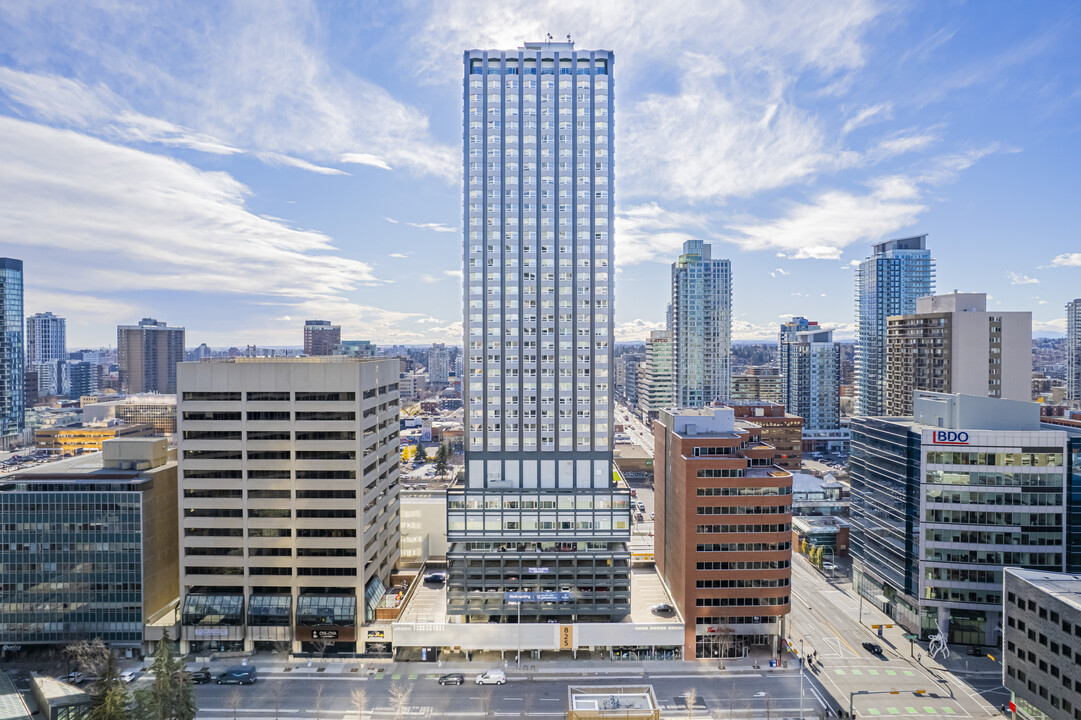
[293, 179]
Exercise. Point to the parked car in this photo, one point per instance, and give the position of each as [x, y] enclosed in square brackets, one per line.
[238, 675]
[128, 675]
[452, 679]
[827, 565]
[873, 648]
[200, 677]
[639, 517]
[634, 493]
[435, 577]
[660, 608]
[492, 677]
[975, 651]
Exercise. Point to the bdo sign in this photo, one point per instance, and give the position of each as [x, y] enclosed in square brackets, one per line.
[950, 437]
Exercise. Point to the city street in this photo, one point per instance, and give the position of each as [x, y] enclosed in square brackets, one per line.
[827, 618]
[740, 695]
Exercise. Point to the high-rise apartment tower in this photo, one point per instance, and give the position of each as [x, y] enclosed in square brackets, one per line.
[147, 354]
[46, 338]
[1073, 350]
[887, 283]
[12, 395]
[701, 321]
[320, 337]
[538, 339]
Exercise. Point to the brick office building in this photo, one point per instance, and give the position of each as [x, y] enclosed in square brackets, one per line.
[780, 428]
[723, 537]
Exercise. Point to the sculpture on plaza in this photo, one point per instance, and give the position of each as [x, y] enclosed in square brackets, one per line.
[938, 644]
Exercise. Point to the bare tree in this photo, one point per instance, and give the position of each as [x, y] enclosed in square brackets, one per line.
[318, 699]
[690, 696]
[88, 657]
[399, 698]
[321, 648]
[234, 700]
[733, 695]
[359, 696]
[725, 640]
[276, 693]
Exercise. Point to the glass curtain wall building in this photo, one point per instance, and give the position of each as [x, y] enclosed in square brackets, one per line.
[1073, 350]
[538, 491]
[12, 395]
[701, 326]
[887, 283]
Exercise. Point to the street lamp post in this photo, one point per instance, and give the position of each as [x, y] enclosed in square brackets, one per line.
[801, 678]
[519, 635]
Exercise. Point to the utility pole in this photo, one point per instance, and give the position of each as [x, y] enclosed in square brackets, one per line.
[801, 678]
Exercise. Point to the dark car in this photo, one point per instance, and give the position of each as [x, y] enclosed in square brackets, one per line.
[436, 578]
[452, 679]
[239, 675]
[200, 677]
[975, 651]
[873, 648]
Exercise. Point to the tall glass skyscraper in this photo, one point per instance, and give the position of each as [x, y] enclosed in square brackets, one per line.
[1073, 350]
[12, 396]
[887, 283]
[538, 509]
[701, 320]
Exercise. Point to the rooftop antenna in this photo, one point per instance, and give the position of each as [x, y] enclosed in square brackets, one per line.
[549, 38]
[568, 37]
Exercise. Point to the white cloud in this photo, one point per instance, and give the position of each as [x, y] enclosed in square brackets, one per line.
[1021, 279]
[636, 330]
[1065, 260]
[835, 219]
[454, 274]
[946, 167]
[882, 111]
[400, 256]
[79, 309]
[365, 159]
[278, 159]
[437, 227]
[139, 221]
[1056, 326]
[778, 271]
[428, 278]
[650, 232]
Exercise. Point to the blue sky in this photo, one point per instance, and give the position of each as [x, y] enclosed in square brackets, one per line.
[237, 168]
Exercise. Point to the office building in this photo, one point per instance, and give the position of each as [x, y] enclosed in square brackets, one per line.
[84, 378]
[952, 344]
[157, 411]
[655, 375]
[320, 337]
[1073, 351]
[811, 373]
[88, 548]
[787, 334]
[779, 428]
[1041, 658]
[46, 338]
[701, 326]
[355, 348]
[723, 530]
[539, 341]
[887, 283]
[289, 506]
[627, 368]
[438, 365]
[147, 355]
[47, 379]
[758, 384]
[12, 374]
[86, 438]
[943, 500]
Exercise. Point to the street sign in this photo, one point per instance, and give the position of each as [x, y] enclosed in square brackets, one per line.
[538, 570]
[519, 597]
[875, 627]
[921, 692]
[544, 596]
[566, 637]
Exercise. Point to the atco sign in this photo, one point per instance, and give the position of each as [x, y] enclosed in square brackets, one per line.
[950, 437]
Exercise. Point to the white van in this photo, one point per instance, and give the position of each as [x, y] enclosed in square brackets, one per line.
[492, 677]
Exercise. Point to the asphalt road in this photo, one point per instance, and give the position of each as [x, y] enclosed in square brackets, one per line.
[743, 696]
[827, 618]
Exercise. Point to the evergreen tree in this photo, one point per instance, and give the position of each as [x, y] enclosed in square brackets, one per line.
[441, 463]
[110, 695]
[422, 454]
[171, 695]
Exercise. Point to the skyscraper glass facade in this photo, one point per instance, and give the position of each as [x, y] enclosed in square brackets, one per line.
[12, 395]
[538, 489]
[701, 326]
[1073, 349]
[887, 283]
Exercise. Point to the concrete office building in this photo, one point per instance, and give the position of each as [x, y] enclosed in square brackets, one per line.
[758, 384]
[952, 344]
[47, 379]
[355, 348]
[84, 378]
[538, 338]
[1041, 661]
[157, 411]
[781, 429]
[289, 500]
[701, 318]
[655, 375]
[46, 338]
[147, 355]
[887, 283]
[12, 374]
[320, 337]
[89, 548]
[438, 365]
[1073, 351]
[723, 530]
[943, 500]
